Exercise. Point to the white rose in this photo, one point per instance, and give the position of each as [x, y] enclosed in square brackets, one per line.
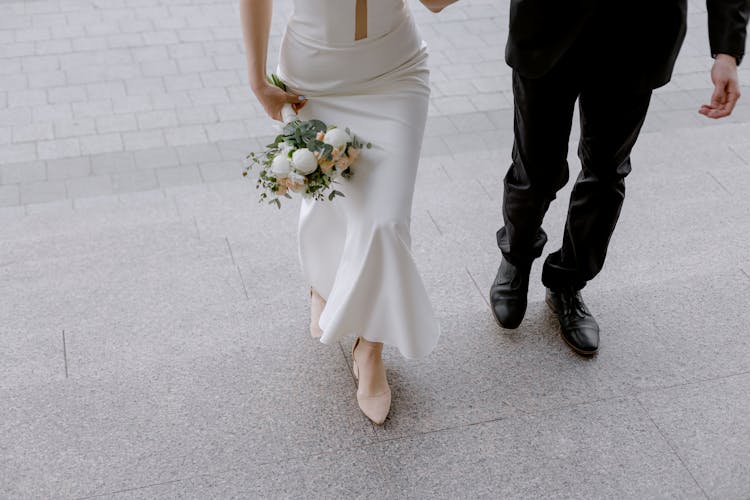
[304, 161]
[337, 138]
[285, 147]
[280, 166]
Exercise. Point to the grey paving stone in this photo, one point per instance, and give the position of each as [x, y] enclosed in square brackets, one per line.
[137, 209]
[79, 292]
[112, 162]
[149, 240]
[68, 168]
[89, 186]
[32, 351]
[116, 123]
[221, 171]
[140, 180]
[134, 141]
[705, 425]
[703, 323]
[34, 132]
[185, 425]
[186, 135]
[155, 158]
[314, 476]
[198, 153]
[101, 143]
[17, 173]
[59, 148]
[18, 153]
[186, 175]
[95, 203]
[9, 195]
[656, 237]
[606, 449]
[42, 191]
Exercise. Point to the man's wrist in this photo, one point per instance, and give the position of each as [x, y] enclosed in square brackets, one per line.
[735, 60]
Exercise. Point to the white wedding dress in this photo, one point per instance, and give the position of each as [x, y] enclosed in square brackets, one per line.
[355, 251]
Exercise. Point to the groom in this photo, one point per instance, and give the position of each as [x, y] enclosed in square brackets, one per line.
[608, 55]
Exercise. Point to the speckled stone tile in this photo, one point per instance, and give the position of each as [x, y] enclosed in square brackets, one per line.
[608, 449]
[264, 399]
[345, 474]
[706, 425]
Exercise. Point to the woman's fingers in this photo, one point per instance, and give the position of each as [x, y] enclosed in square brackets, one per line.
[294, 98]
[273, 100]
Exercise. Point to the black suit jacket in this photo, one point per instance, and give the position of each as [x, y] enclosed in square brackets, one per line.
[634, 42]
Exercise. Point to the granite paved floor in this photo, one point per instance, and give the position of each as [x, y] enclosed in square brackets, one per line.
[153, 336]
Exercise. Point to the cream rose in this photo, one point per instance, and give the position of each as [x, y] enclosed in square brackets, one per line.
[337, 138]
[304, 162]
[280, 166]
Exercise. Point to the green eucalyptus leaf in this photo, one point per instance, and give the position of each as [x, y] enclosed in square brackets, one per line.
[317, 126]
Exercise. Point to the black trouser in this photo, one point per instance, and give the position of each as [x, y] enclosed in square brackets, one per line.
[611, 119]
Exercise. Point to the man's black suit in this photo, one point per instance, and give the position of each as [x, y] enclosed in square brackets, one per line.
[609, 55]
[638, 39]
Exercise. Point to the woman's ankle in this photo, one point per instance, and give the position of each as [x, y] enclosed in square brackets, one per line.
[372, 347]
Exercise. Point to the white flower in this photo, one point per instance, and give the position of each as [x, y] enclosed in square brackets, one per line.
[298, 182]
[297, 178]
[285, 147]
[337, 138]
[304, 161]
[280, 166]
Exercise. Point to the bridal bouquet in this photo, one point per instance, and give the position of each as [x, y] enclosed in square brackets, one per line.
[306, 158]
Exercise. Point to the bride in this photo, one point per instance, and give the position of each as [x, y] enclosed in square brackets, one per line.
[361, 66]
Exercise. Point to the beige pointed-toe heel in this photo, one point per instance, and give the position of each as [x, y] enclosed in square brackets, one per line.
[374, 406]
[317, 304]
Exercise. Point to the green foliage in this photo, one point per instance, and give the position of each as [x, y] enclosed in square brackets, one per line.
[275, 80]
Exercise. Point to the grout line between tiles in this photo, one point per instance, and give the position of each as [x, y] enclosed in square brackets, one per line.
[674, 451]
[65, 353]
[135, 488]
[229, 246]
[242, 280]
[719, 183]
[477, 288]
[434, 222]
[484, 188]
[731, 148]
[446, 171]
[197, 229]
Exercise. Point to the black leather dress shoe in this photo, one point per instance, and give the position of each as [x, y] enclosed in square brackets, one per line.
[508, 294]
[578, 327]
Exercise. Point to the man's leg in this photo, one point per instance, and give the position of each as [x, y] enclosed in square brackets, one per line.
[610, 124]
[543, 117]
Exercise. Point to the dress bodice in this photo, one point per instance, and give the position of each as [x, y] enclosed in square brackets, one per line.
[333, 21]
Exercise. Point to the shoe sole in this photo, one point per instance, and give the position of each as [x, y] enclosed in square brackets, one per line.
[577, 350]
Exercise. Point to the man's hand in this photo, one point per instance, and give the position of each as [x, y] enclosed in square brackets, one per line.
[726, 88]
